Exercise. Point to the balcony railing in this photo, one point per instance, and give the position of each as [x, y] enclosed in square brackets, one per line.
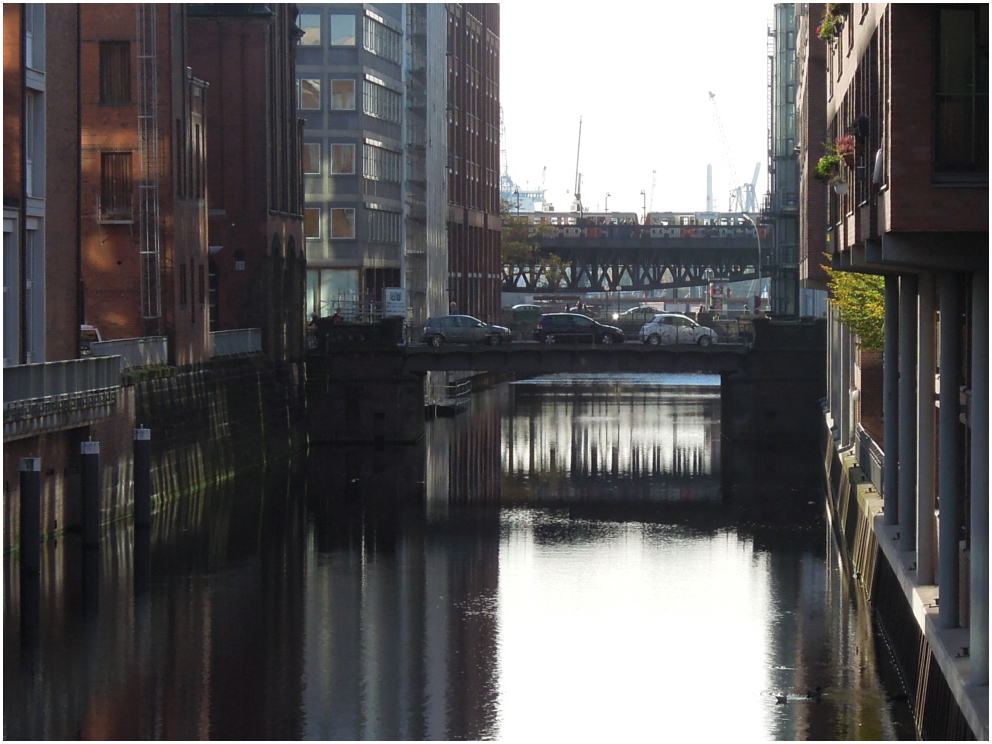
[38, 398]
[237, 342]
[145, 351]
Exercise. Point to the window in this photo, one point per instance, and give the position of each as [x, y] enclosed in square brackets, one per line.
[311, 222]
[343, 159]
[961, 107]
[342, 30]
[310, 25]
[382, 41]
[342, 224]
[342, 95]
[380, 164]
[115, 72]
[115, 184]
[311, 158]
[381, 102]
[310, 94]
[30, 136]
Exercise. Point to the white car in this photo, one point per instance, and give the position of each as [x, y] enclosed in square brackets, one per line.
[675, 328]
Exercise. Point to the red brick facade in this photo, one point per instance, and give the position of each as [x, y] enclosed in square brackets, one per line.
[474, 224]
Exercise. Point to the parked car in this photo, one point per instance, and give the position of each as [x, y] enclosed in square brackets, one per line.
[563, 327]
[462, 329]
[526, 313]
[675, 328]
[639, 315]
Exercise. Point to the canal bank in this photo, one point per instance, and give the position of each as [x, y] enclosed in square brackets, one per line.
[933, 662]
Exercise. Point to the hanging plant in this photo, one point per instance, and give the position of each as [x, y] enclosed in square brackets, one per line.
[830, 26]
[860, 301]
[828, 168]
[844, 146]
[839, 9]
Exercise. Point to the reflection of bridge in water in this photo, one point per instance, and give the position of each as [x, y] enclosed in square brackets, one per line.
[678, 251]
[627, 440]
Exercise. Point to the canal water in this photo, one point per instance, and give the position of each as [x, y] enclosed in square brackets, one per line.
[572, 557]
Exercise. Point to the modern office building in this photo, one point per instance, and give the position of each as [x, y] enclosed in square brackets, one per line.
[906, 101]
[400, 154]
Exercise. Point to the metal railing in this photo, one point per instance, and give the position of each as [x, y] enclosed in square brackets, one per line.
[145, 351]
[57, 379]
[237, 342]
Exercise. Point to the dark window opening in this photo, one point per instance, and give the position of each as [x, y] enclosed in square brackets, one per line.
[115, 72]
[116, 184]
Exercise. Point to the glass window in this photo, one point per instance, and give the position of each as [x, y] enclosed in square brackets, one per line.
[115, 184]
[310, 25]
[342, 224]
[342, 95]
[115, 72]
[342, 30]
[962, 89]
[311, 222]
[310, 94]
[342, 159]
[311, 157]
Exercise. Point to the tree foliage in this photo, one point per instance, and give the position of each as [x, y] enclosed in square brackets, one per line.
[860, 301]
[521, 247]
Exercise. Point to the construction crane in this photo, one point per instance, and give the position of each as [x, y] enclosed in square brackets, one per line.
[742, 197]
[578, 176]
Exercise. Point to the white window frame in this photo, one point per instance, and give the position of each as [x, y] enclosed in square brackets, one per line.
[314, 39]
[338, 148]
[333, 20]
[299, 88]
[312, 159]
[346, 211]
[319, 220]
[336, 97]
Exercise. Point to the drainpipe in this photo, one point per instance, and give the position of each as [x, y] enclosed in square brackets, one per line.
[979, 418]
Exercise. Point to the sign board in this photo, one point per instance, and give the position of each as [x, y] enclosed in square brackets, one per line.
[394, 301]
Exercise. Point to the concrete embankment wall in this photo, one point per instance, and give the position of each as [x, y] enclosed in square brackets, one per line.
[206, 422]
[933, 670]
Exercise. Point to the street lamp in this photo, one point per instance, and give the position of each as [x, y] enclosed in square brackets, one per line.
[644, 206]
[517, 194]
[606, 202]
[757, 234]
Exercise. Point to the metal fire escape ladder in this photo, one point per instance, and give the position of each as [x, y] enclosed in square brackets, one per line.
[148, 161]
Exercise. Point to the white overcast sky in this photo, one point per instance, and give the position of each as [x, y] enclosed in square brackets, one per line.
[639, 76]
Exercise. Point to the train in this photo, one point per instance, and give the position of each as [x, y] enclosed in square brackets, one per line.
[656, 224]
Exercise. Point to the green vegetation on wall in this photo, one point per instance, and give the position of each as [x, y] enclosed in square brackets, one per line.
[860, 301]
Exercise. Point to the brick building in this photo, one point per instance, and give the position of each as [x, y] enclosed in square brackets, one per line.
[474, 224]
[246, 54]
[907, 92]
[143, 186]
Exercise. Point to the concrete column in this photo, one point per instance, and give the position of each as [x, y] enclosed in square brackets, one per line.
[907, 411]
[979, 585]
[142, 478]
[890, 401]
[949, 462]
[926, 432]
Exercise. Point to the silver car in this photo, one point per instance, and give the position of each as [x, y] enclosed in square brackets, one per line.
[675, 328]
[462, 329]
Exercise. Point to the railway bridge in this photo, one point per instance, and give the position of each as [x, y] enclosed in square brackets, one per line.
[643, 257]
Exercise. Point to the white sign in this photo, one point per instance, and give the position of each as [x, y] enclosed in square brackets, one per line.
[394, 301]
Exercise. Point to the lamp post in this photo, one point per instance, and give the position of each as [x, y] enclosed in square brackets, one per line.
[757, 235]
[644, 206]
[606, 202]
[517, 194]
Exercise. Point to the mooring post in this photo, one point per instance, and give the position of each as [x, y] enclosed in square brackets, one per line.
[30, 516]
[91, 493]
[142, 477]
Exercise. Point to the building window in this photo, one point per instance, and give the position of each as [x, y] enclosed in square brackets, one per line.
[380, 164]
[962, 89]
[342, 224]
[311, 222]
[310, 94]
[381, 102]
[342, 95]
[115, 184]
[342, 159]
[382, 41]
[310, 25]
[342, 30]
[383, 226]
[311, 158]
[115, 72]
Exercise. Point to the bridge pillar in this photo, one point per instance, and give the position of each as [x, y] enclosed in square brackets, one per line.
[351, 401]
[775, 401]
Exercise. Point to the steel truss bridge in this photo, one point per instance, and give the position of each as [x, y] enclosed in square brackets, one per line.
[641, 257]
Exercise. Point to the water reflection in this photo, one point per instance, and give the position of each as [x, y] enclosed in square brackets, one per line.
[565, 560]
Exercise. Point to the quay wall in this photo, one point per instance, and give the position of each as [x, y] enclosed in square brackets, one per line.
[933, 670]
[207, 422]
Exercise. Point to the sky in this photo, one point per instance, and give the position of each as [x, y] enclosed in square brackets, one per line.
[639, 76]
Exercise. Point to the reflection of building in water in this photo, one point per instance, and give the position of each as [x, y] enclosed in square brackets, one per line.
[658, 442]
